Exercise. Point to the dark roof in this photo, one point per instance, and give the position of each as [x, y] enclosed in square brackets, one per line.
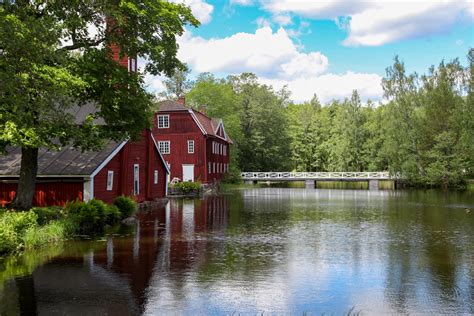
[170, 105]
[67, 161]
[208, 124]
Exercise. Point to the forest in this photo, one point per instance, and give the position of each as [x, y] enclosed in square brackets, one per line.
[423, 129]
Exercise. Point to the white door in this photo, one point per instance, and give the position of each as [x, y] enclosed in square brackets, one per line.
[188, 173]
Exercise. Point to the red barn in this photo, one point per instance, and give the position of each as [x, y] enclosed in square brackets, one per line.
[130, 168]
[195, 146]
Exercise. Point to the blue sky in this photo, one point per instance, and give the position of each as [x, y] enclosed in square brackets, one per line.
[325, 47]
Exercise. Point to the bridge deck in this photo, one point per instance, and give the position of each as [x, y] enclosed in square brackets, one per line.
[317, 176]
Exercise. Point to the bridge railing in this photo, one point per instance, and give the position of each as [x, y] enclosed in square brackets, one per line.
[315, 175]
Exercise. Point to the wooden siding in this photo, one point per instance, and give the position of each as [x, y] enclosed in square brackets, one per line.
[182, 128]
[143, 153]
[51, 192]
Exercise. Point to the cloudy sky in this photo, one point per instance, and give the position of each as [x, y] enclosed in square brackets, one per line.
[325, 47]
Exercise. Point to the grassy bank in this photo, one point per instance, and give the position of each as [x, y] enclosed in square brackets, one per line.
[45, 226]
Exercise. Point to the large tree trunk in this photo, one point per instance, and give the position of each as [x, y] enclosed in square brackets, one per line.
[26, 184]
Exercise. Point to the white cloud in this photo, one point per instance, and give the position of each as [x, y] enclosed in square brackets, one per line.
[282, 19]
[200, 8]
[331, 86]
[262, 22]
[241, 2]
[378, 22]
[264, 52]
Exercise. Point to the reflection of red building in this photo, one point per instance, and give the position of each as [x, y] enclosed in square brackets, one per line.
[191, 224]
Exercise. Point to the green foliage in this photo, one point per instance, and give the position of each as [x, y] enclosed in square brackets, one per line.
[233, 176]
[187, 187]
[53, 232]
[47, 214]
[13, 226]
[126, 205]
[90, 217]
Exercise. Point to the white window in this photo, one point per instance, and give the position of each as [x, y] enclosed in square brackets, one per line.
[132, 64]
[155, 177]
[213, 167]
[110, 180]
[209, 167]
[164, 147]
[163, 121]
[213, 147]
[136, 179]
[190, 146]
[225, 150]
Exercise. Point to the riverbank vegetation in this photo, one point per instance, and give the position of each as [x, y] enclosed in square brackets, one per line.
[43, 226]
[423, 130]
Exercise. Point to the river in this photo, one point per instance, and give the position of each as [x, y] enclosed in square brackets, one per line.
[263, 251]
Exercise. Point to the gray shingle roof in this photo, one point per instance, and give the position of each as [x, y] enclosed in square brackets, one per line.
[67, 161]
[170, 105]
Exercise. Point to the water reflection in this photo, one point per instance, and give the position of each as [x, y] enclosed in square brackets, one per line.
[268, 250]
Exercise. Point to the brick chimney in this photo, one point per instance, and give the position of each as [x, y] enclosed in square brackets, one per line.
[182, 100]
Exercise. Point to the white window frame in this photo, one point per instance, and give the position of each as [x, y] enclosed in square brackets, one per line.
[190, 146]
[209, 167]
[165, 122]
[136, 179]
[213, 167]
[155, 177]
[110, 180]
[165, 144]
[225, 150]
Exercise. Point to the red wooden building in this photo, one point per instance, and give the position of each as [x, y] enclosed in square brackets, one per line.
[195, 146]
[130, 168]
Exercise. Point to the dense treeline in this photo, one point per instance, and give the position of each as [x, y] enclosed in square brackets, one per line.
[424, 129]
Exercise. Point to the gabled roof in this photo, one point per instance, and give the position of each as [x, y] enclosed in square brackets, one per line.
[170, 105]
[65, 162]
[208, 126]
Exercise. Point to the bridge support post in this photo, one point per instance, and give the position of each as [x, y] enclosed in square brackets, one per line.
[249, 182]
[373, 185]
[309, 184]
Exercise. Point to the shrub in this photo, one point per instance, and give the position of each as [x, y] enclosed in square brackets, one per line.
[187, 187]
[126, 205]
[85, 216]
[232, 176]
[113, 214]
[12, 227]
[47, 214]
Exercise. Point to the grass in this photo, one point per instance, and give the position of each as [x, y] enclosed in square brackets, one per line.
[40, 227]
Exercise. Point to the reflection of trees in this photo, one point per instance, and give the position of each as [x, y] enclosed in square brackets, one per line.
[430, 241]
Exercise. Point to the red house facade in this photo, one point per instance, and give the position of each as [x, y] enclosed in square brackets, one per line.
[129, 168]
[195, 146]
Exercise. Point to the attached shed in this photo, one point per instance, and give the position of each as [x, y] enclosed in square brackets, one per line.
[129, 168]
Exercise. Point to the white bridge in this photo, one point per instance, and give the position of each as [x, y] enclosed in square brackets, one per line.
[310, 177]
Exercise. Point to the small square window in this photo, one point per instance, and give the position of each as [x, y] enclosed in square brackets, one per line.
[155, 177]
[163, 121]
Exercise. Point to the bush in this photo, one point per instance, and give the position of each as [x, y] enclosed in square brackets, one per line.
[126, 205]
[113, 214]
[47, 214]
[85, 216]
[232, 176]
[187, 187]
[13, 226]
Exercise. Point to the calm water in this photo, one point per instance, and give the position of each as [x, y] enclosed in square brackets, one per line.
[270, 251]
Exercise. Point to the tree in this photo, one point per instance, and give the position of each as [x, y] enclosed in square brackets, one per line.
[177, 84]
[55, 56]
